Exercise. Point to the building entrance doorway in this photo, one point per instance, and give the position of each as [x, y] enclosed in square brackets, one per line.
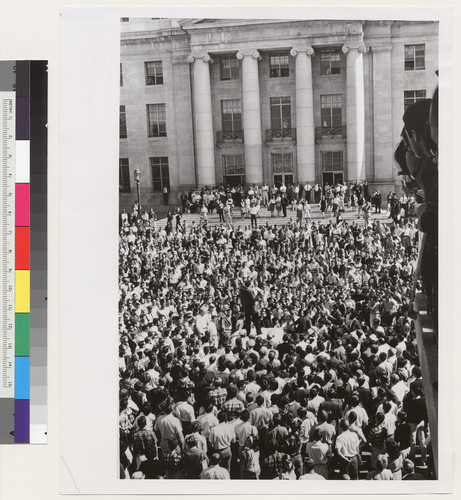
[331, 178]
[234, 180]
[285, 178]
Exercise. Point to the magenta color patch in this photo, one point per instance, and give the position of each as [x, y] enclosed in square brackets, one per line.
[22, 205]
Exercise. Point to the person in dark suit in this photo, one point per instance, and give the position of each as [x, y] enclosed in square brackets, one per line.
[249, 306]
[303, 323]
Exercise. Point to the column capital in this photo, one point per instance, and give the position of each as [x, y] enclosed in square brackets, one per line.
[205, 57]
[381, 48]
[248, 53]
[305, 50]
[360, 46]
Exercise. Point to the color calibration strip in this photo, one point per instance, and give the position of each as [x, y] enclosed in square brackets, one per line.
[23, 89]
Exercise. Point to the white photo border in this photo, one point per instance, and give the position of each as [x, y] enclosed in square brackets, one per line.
[89, 200]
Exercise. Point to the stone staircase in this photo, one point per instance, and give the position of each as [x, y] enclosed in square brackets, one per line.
[265, 217]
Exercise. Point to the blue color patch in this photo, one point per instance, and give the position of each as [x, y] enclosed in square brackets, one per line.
[22, 377]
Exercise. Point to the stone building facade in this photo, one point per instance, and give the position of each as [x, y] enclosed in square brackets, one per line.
[211, 101]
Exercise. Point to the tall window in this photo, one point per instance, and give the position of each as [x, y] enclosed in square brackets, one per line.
[233, 165]
[123, 134]
[280, 113]
[154, 73]
[282, 162]
[229, 67]
[124, 175]
[156, 120]
[332, 160]
[414, 57]
[160, 173]
[231, 115]
[330, 62]
[331, 110]
[278, 65]
[121, 75]
[412, 96]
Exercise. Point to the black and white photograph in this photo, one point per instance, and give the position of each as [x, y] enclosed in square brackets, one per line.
[278, 249]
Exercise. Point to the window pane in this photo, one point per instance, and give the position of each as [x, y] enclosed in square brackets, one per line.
[419, 50]
[325, 101]
[419, 62]
[233, 164]
[279, 65]
[414, 57]
[331, 110]
[280, 113]
[124, 174]
[330, 62]
[154, 73]
[160, 173]
[123, 131]
[229, 67]
[156, 120]
[282, 162]
[231, 115]
[332, 160]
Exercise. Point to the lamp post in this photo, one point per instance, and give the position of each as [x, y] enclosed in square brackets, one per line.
[137, 178]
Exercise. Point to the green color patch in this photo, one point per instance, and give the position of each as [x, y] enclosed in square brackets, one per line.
[22, 334]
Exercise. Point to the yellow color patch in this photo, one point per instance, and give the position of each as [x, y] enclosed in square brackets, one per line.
[22, 291]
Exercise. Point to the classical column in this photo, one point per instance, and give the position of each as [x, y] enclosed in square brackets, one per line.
[355, 111]
[383, 140]
[203, 119]
[251, 117]
[305, 133]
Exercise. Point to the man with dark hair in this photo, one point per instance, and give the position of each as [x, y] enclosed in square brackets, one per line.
[249, 305]
[414, 405]
[208, 420]
[327, 429]
[144, 442]
[332, 405]
[348, 451]
[218, 394]
[232, 405]
[319, 452]
[272, 465]
[354, 405]
[215, 471]
[402, 434]
[310, 473]
[261, 418]
[221, 438]
[194, 458]
[243, 431]
[169, 427]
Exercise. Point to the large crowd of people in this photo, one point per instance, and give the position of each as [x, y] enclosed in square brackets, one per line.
[238, 201]
[272, 352]
[240, 347]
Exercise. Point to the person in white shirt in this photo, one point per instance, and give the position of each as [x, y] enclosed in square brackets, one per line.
[362, 415]
[348, 451]
[265, 195]
[215, 471]
[254, 210]
[202, 321]
[203, 214]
